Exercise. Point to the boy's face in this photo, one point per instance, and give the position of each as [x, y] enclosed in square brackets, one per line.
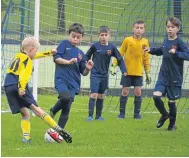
[138, 29]
[32, 50]
[75, 38]
[104, 37]
[171, 30]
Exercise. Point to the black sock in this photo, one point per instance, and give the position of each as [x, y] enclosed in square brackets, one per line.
[99, 107]
[56, 107]
[137, 103]
[91, 106]
[160, 105]
[64, 114]
[172, 112]
[123, 102]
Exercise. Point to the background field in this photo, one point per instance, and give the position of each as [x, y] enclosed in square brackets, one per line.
[112, 137]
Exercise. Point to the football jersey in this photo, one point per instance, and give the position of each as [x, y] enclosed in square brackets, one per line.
[171, 71]
[134, 57]
[101, 56]
[20, 69]
[70, 73]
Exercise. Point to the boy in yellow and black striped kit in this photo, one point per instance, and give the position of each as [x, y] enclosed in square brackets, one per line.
[19, 96]
[134, 57]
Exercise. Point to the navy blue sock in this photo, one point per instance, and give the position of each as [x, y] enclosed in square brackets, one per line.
[64, 114]
[99, 107]
[160, 105]
[172, 112]
[123, 102]
[91, 106]
[57, 107]
[137, 103]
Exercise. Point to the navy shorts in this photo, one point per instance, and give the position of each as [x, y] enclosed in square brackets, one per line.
[128, 81]
[62, 87]
[172, 92]
[98, 85]
[16, 102]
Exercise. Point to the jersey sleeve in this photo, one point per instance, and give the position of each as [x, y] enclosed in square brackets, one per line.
[82, 64]
[90, 52]
[122, 51]
[184, 53]
[119, 60]
[25, 73]
[60, 50]
[43, 54]
[146, 58]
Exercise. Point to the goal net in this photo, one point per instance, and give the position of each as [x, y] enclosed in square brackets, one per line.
[55, 18]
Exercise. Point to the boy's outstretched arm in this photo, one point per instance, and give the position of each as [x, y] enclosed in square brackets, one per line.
[45, 54]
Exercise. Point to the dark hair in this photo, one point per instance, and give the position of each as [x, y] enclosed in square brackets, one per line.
[103, 29]
[76, 27]
[175, 21]
[138, 22]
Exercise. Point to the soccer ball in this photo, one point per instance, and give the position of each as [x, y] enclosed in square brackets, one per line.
[52, 136]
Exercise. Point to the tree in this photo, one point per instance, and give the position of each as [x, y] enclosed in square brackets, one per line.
[61, 16]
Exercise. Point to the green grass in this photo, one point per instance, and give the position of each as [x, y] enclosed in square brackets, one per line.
[112, 137]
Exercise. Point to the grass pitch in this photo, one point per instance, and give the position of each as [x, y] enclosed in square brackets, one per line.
[112, 137]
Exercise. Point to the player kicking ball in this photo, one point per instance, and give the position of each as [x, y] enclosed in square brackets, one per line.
[19, 96]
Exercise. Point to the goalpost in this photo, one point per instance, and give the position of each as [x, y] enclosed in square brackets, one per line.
[49, 20]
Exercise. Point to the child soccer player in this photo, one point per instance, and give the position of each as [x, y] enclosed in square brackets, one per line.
[18, 94]
[70, 63]
[101, 53]
[170, 77]
[132, 50]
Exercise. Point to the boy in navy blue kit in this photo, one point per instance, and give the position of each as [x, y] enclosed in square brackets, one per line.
[170, 77]
[70, 63]
[101, 53]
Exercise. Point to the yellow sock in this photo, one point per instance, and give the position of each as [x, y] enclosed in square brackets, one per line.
[26, 127]
[48, 119]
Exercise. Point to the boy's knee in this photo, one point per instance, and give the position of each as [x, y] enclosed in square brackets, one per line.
[64, 97]
[155, 97]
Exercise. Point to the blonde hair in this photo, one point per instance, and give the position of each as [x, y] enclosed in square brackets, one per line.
[29, 41]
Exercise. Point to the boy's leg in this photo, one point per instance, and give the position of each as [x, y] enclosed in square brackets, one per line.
[123, 102]
[25, 125]
[137, 106]
[172, 115]
[57, 107]
[65, 114]
[94, 86]
[49, 120]
[137, 82]
[63, 99]
[126, 83]
[91, 106]
[100, 99]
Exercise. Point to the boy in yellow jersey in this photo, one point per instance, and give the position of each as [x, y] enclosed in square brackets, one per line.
[19, 97]
[135, 58]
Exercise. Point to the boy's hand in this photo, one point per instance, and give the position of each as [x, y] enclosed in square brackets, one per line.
[172, 51]
[89, 65]
[53, 51]
[148, 77]
[21, 92]
[125, 74]
[145, 48]
[112, 70]
[72, 61]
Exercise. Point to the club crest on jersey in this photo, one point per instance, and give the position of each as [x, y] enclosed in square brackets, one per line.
[174, 47]
[80, 56]
[109, 52]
